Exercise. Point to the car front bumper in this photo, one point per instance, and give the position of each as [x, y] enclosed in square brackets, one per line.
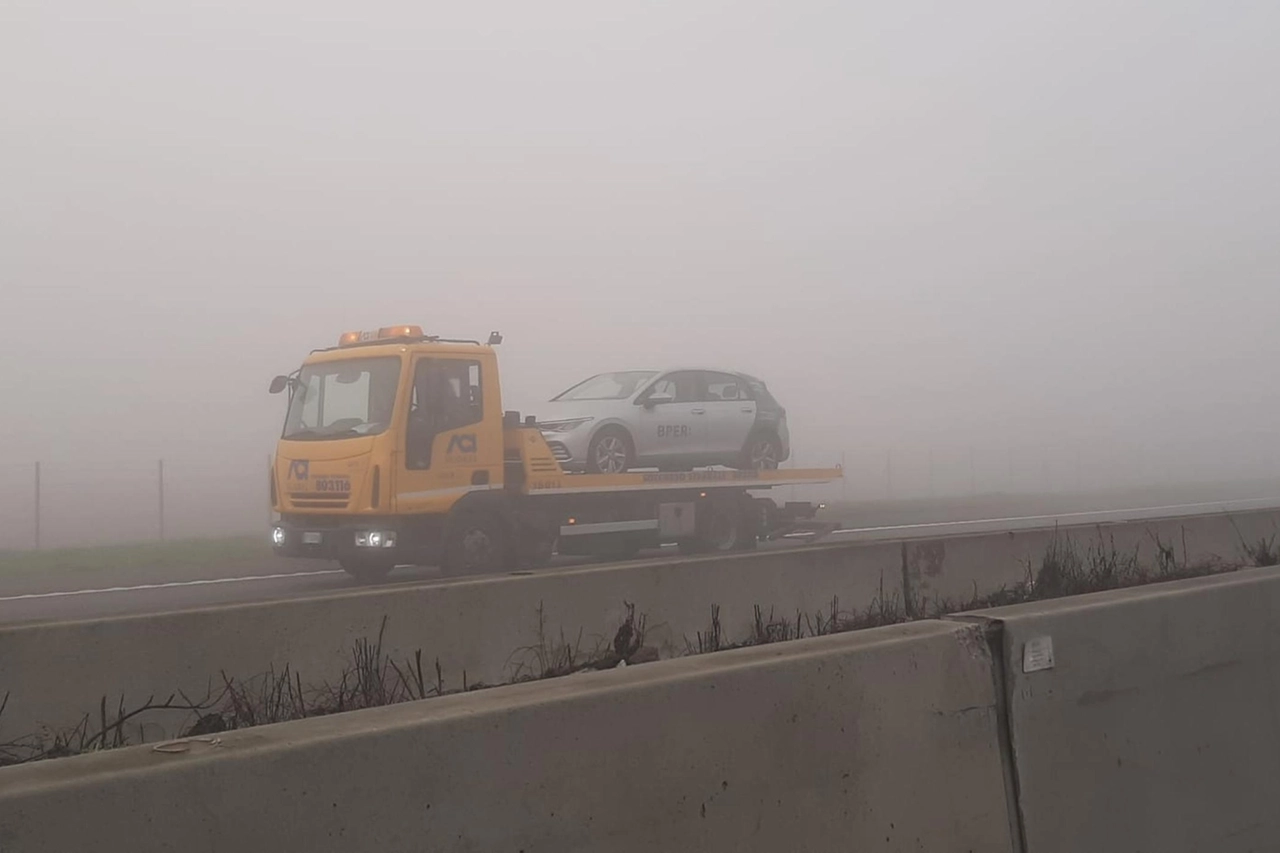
[569, 448]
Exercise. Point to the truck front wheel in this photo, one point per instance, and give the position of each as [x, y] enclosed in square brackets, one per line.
[476, 544]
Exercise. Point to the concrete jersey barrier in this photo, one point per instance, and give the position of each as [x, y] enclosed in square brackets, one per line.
[876, 740]
[492, 628]
[1147, 719]
[489, 629]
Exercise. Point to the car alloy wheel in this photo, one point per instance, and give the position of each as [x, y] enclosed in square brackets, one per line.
[611, 455]
[764, 455]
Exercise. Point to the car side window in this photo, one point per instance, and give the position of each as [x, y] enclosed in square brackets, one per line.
[447, 395]
[725, 387]
[681, 387]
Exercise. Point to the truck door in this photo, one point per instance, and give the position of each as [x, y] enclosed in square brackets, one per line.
[450, 448]
[674, 430]
[731, 413]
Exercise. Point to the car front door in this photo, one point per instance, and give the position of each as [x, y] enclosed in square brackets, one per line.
[671, 420]
[730, 414]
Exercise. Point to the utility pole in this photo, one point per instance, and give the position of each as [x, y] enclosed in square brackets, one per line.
[37, 506]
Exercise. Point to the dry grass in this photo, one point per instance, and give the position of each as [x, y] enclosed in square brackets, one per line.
[370, 678]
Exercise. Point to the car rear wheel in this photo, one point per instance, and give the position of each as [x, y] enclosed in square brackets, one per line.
[762, 453]
[610, 452]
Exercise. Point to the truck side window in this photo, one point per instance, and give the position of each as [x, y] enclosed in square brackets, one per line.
[447, 395]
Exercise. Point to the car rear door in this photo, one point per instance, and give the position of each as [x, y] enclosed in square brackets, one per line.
[671, 432]
[730, 413]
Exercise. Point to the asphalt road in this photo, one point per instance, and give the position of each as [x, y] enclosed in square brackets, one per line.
[59, 599]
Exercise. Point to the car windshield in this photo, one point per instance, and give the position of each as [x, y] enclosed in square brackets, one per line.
[608, 386]
[342, 399]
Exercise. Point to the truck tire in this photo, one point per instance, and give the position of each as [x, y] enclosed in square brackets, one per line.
[723, 526]
[611, 451]
[367, 569]
[537, 549]
[476, 543]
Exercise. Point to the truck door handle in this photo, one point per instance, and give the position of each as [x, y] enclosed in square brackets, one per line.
[699, 411]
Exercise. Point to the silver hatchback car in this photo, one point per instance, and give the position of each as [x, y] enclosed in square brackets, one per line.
[671, 420]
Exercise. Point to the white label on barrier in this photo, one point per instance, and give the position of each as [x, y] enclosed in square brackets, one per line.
[1037, 654]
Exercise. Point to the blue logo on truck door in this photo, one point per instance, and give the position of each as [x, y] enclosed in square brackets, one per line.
[462, 443]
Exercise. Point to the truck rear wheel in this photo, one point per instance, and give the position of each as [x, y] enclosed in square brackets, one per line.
[475, 544]
[722, 527]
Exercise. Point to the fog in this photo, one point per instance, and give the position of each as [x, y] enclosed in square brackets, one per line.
[1035, 243]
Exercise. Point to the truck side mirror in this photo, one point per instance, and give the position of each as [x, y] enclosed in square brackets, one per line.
[279, 384]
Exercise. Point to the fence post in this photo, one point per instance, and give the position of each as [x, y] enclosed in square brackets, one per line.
[888, 473]
[973, 476]
[932, 490]
[37, 506]
[160, 494]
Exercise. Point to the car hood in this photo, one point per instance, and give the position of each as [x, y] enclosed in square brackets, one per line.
[563, 410]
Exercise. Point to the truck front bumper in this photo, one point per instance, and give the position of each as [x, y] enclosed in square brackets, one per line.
[366, 538]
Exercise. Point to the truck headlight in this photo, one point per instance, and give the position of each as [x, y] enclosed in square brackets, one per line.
[277, 536]
[376, 539]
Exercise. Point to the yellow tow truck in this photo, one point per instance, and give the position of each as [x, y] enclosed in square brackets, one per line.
[396, 451]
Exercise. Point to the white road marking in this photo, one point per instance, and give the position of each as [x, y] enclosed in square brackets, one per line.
[1109, 515]
[170, 585]
[1113, 515]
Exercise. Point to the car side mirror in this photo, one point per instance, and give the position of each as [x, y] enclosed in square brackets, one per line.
[658, 400]
[279, 384]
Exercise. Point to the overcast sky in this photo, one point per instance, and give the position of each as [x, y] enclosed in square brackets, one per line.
[989, 225]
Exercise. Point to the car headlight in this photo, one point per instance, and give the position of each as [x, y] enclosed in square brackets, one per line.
[564, 426]
[277, 536]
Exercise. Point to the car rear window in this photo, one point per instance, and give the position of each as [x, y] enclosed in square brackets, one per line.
[761, 393]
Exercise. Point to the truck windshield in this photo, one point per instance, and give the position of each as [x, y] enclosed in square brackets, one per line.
[343, 399]
[608, 386]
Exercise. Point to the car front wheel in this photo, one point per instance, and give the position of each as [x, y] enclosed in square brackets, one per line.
[610, 452]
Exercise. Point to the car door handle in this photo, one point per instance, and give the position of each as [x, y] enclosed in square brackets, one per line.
[698, 411]
[747, 409]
